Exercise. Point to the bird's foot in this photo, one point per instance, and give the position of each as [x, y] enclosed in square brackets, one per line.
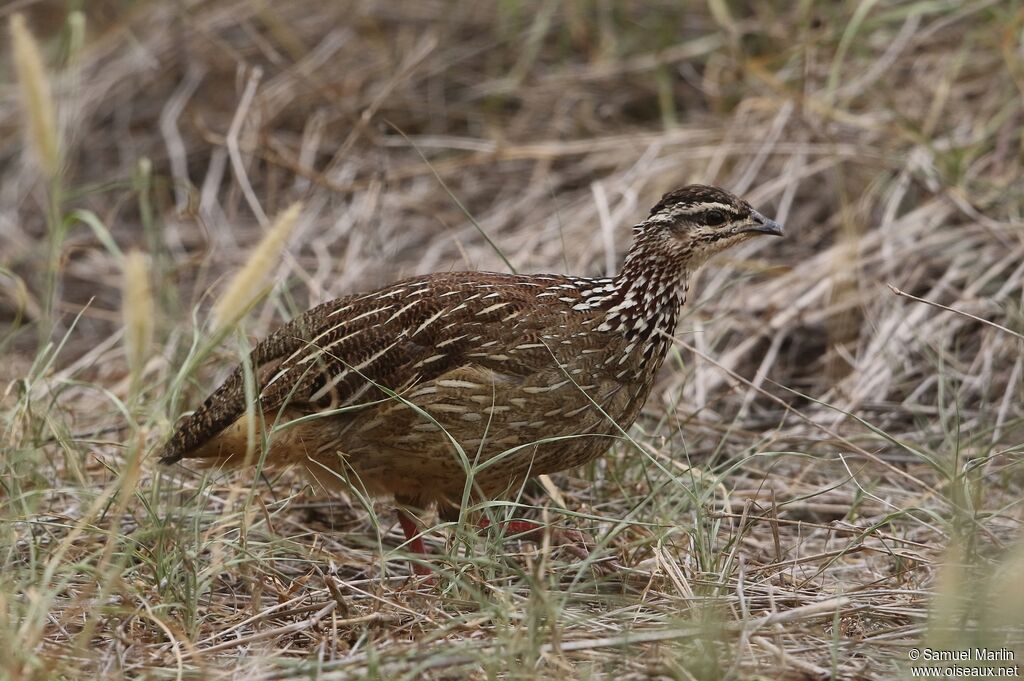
[416, 545]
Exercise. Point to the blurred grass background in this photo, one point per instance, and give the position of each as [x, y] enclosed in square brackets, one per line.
[827, 474]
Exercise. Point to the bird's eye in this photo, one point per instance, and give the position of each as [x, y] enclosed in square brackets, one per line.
[713, 218]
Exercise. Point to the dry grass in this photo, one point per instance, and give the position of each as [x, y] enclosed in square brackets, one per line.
[827, 473]
[37, 101]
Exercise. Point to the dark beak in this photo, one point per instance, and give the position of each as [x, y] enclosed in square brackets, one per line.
[763, 225]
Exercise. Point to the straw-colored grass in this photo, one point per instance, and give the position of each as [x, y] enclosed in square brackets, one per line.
[40, 120]
[137, 305]
[826, 476]
[243, 290]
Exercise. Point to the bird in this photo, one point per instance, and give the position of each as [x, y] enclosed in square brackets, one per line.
[462, 385]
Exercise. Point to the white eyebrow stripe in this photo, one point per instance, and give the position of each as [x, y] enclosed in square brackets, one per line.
[695, 208]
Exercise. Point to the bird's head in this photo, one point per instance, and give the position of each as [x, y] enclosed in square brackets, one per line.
[694, 222]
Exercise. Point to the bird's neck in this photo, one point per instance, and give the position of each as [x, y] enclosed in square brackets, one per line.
[646, 294]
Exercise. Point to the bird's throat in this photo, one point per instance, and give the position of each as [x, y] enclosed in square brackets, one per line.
[646, 300]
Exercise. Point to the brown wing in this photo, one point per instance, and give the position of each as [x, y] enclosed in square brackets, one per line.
[342, 352]
[227, 403]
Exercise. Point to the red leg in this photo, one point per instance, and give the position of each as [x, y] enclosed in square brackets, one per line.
[412, 532]
[572, 539]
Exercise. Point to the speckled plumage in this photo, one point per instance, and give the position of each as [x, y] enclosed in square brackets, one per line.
[434, 380]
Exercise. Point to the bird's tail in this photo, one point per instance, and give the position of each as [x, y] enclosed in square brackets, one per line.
[229, 446]
[210, 432]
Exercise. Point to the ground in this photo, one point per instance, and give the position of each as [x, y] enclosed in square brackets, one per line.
[825, 482]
